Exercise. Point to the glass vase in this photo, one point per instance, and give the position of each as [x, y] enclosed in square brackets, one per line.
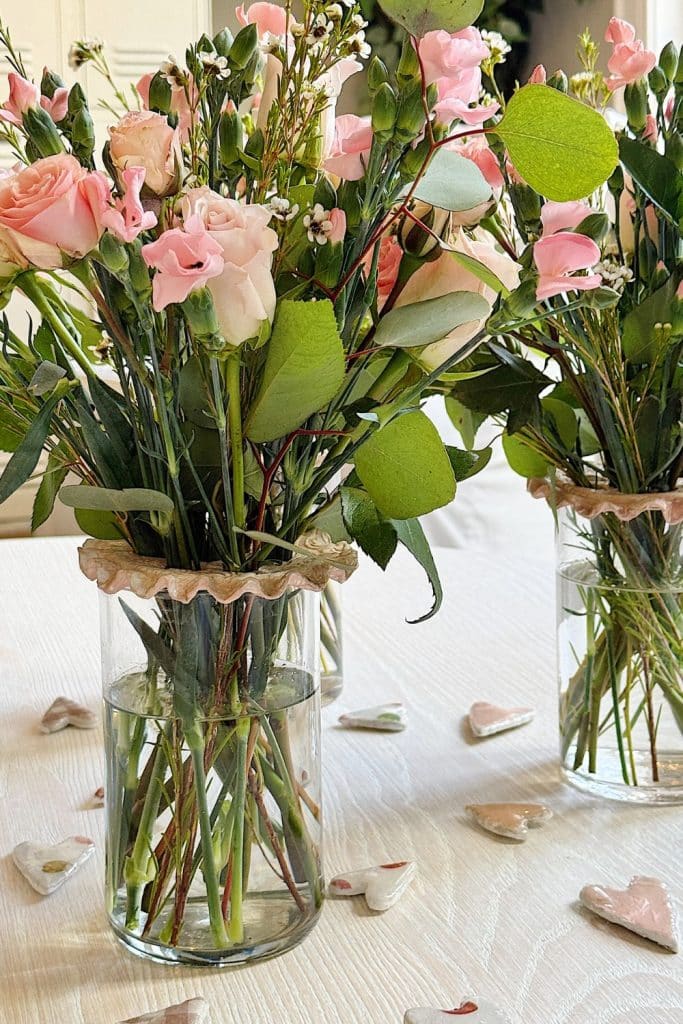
[212, 736]
[620, 652]
[331, 643]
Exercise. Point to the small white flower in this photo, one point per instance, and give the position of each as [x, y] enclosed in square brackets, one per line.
[358, 45]
[358, 22]
[497, 44]
[614, 274]
[214, 64]
[282, 209]
[320, 30]
[318, 224]
[335, 12]
[83, 50]
[171, 71]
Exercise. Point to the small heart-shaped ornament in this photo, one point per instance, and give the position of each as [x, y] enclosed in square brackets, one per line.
[47, 868]
[384, 718]
[488, 719]
[510, 820]
[63, 712]
[469, 1011]
[98, 797]
[645, 908]
[382, 886]
[192, 1011]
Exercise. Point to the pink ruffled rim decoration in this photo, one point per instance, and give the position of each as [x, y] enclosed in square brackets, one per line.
[589, 502]
[115, 567]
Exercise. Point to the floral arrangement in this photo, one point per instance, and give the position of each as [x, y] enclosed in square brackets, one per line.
[585, 378]
[237, 319]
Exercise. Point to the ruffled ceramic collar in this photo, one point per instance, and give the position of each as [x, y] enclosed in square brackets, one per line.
[589, 502]
[115, 568]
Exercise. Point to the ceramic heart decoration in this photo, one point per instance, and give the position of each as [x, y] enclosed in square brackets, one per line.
[46, 868]
[645, 908]
[510, 820]
[192, 1011]
[382, 886]
[488, 719]
[470, 1011]
[63, 712]
[383, 718]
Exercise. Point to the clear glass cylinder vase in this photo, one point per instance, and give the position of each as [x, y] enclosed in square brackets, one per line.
[213, 782]
[620, 655]
[331, 643]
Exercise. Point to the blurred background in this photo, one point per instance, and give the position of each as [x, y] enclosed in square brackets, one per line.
[139, 36]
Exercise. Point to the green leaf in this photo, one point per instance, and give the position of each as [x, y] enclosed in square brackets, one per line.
[103, 499]
[561, 147]
[45, 378]
[508, 387]
[12, 429]
[376, 537]
[89, 330]
[481, 272]
[423, 323]
[192, 394]
[303, 372]
[25, 458]
[453, 183]
[101, 525]
[469, 463]
[405, 468]
[421, 16]
[110, 409]
[53, 478]
[331, 521]
[563, 419]
[640, 342]
[659, 178]
[523, 459]
[411, 535]
[465, 421]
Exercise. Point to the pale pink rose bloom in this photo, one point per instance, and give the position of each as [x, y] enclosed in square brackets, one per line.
[388, 266]
[12, 259]
[184, 260]
[351, 147]
[127, 218]
[445, 276]
[447, 56]
[539, 76]
[48, 209]
[244, 294]
[563, 216]
[145, 139]
[479, 152]
[183, 102]
[650, 133]
[267, 18]
[619, 31]
[337, 233]
[559, 257]
[629, 63]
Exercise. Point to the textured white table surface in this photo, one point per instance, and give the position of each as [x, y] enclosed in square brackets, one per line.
[485, 918]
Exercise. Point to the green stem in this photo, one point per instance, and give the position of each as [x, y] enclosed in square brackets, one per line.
[236, 926]
[29, 286]
[139, 868]
[195, 742]
[233, 368]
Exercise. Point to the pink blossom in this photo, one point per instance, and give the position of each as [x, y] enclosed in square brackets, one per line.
[145, 139]
[669, 109]
[538, 76]
[390, 256]
[24, 95]
[57, 106]
[184, 260]
[479, 152]
[563, 216]
[558, 257]
[650, 133]
[458, 98]
[447, 56]
[127, 218]
[619, 31]
[350, 148]
[267, 18]
[337, 232]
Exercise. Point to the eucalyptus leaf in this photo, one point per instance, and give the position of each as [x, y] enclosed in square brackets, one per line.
[45, 378]
[27, 454]
[412, 536]
[424, 323]
[421, 16]
[101, 525]
[405, 468]
[481, 272]
[467, 464]
[465, 421]
[303, 372]
[562, 148]
[522, 458]
[366, 525]
[103, 499]
[452, 182]
[46, 495]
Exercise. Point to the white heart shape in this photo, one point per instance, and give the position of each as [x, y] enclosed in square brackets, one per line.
[382, 886]
[63, 712]
[645, 908]
[46, 868]
[384, 718]
[510, 820]
[488, 719]
[471, 1011]
[192, 1011]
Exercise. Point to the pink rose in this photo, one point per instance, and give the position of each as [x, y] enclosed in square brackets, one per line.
[144, 139]
[351, 147]
[12, 260]
[479, 152]
[244, 293]
[619, 31]
[267, 17]
[51, 208]
[24, 95]
[447, 275]
[184, 260]
[563, 216]
[183, 107]
[539, 76]
[127, 218]
[559, 257]
[337, 233]
[390, 256]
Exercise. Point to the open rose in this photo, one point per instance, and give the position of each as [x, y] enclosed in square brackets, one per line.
[50, 208]
[145, 139]
[244, 293]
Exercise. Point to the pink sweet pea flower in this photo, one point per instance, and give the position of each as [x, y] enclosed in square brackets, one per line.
[539, 76]
[456, 96]
[351, 147]
[558, 257]
[184, 260]
[619, 31]
[479, 152]
[127, 218]
[337, 233]
[563, 216]
[447, 56]
[268, 18]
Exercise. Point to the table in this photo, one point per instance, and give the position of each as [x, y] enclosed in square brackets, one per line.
[485, 918]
